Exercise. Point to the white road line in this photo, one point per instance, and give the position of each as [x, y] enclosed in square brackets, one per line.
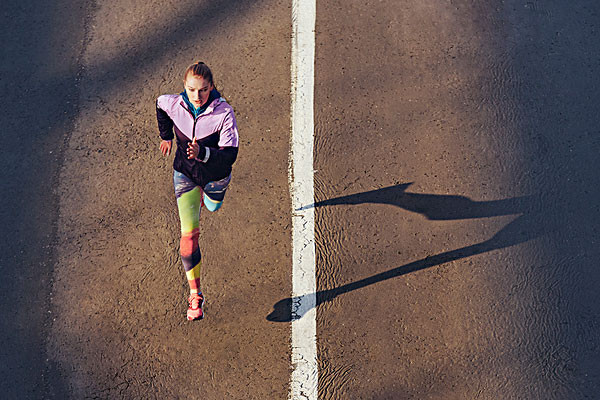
[305, 376]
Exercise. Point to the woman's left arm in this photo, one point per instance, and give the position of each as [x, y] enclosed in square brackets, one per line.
[227, 152]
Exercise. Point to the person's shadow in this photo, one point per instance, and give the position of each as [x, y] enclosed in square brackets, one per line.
[528, 225]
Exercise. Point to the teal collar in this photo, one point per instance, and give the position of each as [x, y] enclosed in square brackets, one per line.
[214, 94]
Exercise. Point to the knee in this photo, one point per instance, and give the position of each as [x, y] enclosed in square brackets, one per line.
[188, 244]
[212, 205]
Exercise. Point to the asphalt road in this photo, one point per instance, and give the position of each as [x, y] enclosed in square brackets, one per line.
[39, 84]
[456, 146]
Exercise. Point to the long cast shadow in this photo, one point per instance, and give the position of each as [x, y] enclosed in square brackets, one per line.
[436, 207]
[433, 206]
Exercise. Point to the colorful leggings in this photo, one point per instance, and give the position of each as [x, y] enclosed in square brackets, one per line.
[189, 201]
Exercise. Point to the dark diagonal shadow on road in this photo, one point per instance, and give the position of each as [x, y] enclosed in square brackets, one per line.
[526, 226]
[43, 54]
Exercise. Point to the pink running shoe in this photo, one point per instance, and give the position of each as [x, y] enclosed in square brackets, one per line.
[196, 302]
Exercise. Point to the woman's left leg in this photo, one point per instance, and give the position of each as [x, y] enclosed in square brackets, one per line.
[214, 193]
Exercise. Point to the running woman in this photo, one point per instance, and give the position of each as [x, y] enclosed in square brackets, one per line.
[207, 147]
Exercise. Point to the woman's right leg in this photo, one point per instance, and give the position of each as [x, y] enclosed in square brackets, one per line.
[189, 197]
[189, 201]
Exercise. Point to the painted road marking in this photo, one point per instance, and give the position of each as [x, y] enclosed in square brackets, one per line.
[305, 376]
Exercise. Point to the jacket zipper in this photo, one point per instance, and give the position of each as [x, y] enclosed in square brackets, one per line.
[195, 120]
[194, 129]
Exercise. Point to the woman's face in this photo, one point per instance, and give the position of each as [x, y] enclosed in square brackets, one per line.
[198, 89]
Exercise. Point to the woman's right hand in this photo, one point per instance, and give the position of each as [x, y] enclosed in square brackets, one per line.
[165, 147]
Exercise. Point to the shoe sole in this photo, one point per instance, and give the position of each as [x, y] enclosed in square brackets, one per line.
[196, 319]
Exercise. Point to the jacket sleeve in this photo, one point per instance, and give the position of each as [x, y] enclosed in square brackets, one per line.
[165, 123]
[222, 156]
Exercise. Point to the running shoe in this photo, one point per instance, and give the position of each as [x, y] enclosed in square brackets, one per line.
[196, 302]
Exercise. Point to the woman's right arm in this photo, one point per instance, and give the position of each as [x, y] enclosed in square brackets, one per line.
[165, 129]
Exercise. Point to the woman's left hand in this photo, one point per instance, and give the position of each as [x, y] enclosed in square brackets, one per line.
[193, 149]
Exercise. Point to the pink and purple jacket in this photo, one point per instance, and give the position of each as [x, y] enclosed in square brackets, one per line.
[215, 130]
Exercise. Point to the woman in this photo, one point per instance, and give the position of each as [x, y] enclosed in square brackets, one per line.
[207, 147]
